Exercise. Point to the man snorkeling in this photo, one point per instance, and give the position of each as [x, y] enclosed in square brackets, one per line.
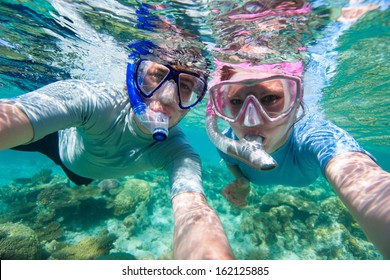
[95, 131]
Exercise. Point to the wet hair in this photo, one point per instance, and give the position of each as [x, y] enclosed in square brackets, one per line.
[179, 54]
[226, 73]
[170, 43]
[185, 57]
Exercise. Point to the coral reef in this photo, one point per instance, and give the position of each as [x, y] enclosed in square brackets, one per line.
[283, 222]
[131, 218]
[88, 248]
[135, 192]
[108, 184]
[18, 242]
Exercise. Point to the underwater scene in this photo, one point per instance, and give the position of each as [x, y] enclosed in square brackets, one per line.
[44, 216]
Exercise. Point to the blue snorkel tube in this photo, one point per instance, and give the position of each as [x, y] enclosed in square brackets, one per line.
[155, 122]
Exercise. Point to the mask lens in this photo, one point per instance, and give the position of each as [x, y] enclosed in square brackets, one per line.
[191, 89]
[149, 76]
[227, 104]
[278, 97]
[274, 97]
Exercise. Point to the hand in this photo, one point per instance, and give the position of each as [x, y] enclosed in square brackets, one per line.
[237, 191]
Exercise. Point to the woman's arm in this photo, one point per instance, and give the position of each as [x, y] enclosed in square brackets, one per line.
[15, 127]
[199, 234]
[365, 189]
[237, 191]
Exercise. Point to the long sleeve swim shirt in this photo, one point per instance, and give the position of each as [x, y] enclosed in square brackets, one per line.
[98, 139]
[312, 143]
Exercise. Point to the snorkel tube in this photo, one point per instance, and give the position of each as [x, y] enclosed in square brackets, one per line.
[155, 122]
[250, 149]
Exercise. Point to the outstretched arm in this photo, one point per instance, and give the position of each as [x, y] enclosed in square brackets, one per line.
[15, 127]
[199, 234]
[365, 189]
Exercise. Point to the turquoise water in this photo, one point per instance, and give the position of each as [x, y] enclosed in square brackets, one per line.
[46, 41]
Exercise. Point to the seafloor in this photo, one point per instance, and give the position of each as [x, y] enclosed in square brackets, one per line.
[46, 217]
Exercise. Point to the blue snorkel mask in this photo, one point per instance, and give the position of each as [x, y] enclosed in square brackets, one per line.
[155, 122]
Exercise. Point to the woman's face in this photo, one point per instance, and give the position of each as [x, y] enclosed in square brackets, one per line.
[271, 97]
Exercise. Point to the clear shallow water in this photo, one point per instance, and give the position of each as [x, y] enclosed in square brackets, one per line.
[49, 41]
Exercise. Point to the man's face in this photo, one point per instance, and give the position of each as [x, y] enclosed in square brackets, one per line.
[169, 89]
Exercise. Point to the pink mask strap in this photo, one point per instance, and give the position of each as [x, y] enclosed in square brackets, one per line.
[289, 68]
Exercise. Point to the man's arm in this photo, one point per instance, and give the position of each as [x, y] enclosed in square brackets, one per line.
[199, 234]
[365, 189]
[15, 127]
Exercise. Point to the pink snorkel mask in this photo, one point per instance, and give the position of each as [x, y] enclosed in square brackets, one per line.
[253, 94]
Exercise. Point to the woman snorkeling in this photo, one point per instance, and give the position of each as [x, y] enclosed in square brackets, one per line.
[271, 138]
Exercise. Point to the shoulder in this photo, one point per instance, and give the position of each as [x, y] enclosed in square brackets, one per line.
[87, 93]
[312, 122]
[67, 86]
[324, 139]
[315, 129]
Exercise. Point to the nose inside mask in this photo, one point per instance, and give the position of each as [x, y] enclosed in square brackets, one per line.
[251, 116]
[167, 92]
